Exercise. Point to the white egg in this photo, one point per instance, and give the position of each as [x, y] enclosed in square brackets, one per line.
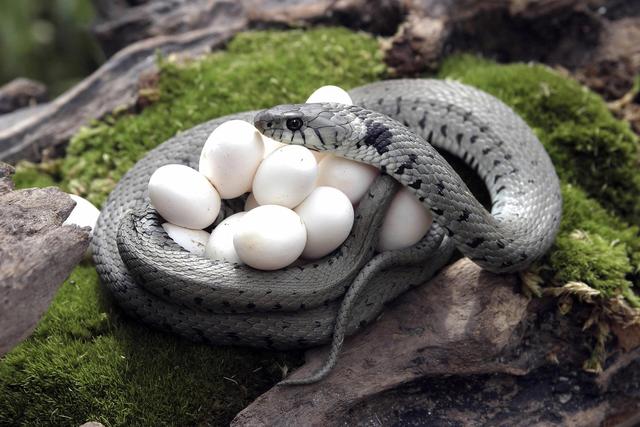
[330, 94]
[220, 245]
[286, 177]
[184, 197]
[327, 214]
[193, 241]
[84, 214]
[350, 177]
[406, 222]
[270, 145]
[231, 156]
[250, 203]
[269, 237]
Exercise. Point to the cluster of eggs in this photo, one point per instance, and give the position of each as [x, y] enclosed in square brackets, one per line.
[300, 202]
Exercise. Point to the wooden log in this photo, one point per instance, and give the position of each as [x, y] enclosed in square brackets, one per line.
[120, 24]
[113, 85]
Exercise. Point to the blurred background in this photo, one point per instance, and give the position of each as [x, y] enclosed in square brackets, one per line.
[48, 41]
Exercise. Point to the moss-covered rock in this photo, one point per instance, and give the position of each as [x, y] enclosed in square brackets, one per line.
[87, 361]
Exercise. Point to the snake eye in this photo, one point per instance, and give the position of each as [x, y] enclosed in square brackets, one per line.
[294, 124]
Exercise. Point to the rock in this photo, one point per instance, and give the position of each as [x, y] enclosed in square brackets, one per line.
[457, 324]
[467, 348]
[20, 93]
[6, 184]
[37, 253]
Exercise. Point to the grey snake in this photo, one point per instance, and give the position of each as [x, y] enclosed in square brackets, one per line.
[393, 125]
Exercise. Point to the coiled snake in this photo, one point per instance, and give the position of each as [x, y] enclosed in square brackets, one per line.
[304, 305]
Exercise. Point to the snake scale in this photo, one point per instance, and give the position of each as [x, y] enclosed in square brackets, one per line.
[303, 305]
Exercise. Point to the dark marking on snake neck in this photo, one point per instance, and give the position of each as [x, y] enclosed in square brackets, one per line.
[465, 215]
[378, 136]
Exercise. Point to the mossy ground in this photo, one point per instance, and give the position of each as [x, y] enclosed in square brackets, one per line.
[87, 361]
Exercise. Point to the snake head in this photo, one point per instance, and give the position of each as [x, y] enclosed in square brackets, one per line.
[321, 126]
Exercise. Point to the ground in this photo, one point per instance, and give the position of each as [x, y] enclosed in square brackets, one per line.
[88, 361]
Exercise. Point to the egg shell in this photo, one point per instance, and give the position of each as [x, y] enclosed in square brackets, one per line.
[286, 177]
[270, 145]
[250, 203]
[350, 177]
[184, 197]
[220, 245]
[84, 214]
[193, 241]
[327, 214]
[330, 94]
[230, 157]
[270, 237]
[405, 223]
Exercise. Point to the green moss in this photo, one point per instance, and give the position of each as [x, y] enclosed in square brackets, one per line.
[36, 175]
[85, 360]
[597, 159]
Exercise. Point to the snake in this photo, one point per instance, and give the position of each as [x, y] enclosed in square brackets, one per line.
[397, 126]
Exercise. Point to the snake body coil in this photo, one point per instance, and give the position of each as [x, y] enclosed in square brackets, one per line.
[221, 303]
